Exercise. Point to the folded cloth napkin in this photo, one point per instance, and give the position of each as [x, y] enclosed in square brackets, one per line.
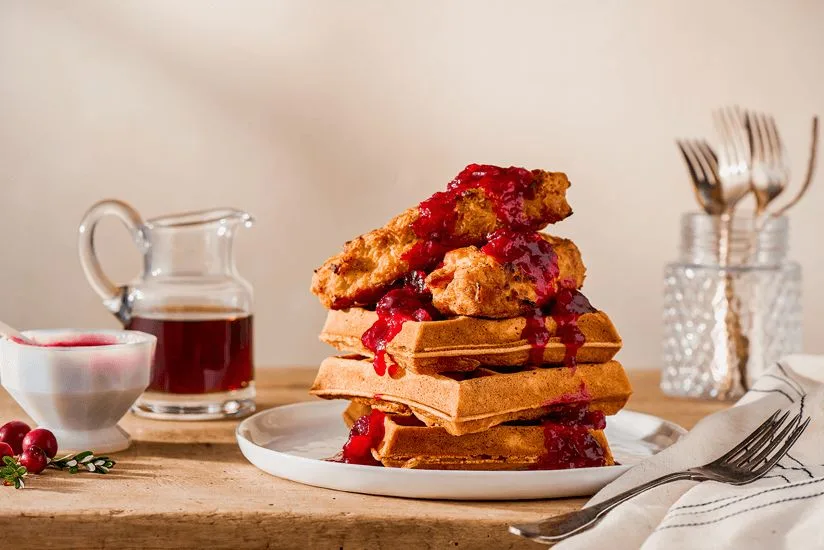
[784, 509]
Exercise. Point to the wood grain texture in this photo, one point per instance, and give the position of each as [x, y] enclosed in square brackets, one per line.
[186, 485]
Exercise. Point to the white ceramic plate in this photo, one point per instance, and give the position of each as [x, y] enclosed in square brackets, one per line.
[292, 441]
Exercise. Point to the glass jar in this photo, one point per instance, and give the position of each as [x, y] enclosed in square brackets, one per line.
[732, 306]
[191, 297]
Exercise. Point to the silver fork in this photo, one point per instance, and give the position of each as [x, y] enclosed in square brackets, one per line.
[734, 156]
[746, 462]
[770, 172]
[810, 171]
[735, 173]
[702, 164]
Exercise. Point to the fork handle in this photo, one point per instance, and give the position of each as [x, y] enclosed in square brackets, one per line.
[558, 528]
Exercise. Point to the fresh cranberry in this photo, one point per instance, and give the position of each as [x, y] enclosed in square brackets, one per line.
[13, 433]
[43, 438]
[5, 450]
[34, 459]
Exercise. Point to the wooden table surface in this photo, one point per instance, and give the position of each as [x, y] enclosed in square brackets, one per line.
[186, 485]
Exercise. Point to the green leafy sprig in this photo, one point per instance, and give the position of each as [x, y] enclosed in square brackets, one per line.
[12, 473]
[85, 461]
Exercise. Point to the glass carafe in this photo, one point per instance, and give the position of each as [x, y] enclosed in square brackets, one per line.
[191, 297]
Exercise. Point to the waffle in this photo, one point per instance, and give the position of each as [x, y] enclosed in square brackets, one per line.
[465, 343]
[505, 447]
[464, 403]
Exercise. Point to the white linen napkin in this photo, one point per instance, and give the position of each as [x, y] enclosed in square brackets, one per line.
[785, 509]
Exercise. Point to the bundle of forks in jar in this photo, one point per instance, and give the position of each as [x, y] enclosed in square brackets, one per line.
[733, 325]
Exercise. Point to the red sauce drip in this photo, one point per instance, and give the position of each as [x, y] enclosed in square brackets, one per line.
[582, 395]
[535, 258]
[412, 302]
[537, 335]
[507, 189]
[84, 341]
[365, 435]
[569, 305]
[567, 441]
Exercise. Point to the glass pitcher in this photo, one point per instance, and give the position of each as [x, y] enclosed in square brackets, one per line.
[191, 297]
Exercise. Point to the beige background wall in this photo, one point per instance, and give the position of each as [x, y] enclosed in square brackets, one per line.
[324, 119]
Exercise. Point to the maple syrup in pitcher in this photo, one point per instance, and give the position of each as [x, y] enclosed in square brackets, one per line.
[191, 297]
[204, 351]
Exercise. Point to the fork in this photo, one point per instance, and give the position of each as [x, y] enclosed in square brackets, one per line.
[735, 173]
[770, 172]
[734, 156]
[702, 164]
[810, 171]
[745, 463]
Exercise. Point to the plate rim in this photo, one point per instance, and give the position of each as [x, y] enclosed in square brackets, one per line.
[412, 472]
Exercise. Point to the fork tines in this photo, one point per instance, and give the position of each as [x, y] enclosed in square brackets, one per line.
[765, 141]
[766, 445]
[702, 164]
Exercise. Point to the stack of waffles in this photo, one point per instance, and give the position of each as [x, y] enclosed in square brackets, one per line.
[465, 340]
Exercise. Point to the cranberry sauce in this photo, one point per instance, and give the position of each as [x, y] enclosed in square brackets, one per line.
[201, 355]
[82, 341]
[411, 302]
[365, 435]
[535, 258]
[536, 334]
[577, 415]
[507, 189]
[532, 255]
[569, 305]
[568, 442]
[580, 396]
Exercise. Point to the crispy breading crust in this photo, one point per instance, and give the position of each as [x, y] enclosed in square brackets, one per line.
[472, 283]
[371, 262]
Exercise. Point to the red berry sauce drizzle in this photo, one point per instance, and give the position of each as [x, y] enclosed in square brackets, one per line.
[568, 442]
[568, 307]
[535, 258]
[365, 435]
[506, 188]
[411, 302]
[81, 341]
[577, 397]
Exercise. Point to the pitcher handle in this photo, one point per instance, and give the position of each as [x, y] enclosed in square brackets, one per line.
[113, 295]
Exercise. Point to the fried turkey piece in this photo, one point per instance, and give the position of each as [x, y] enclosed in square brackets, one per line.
[470, 282]
[367, 265]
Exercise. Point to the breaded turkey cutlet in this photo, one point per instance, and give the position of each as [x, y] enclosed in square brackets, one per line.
[477, 202]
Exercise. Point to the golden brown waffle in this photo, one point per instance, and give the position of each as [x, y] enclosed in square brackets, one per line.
[464, 343]
[499, 448]
[473, 402]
